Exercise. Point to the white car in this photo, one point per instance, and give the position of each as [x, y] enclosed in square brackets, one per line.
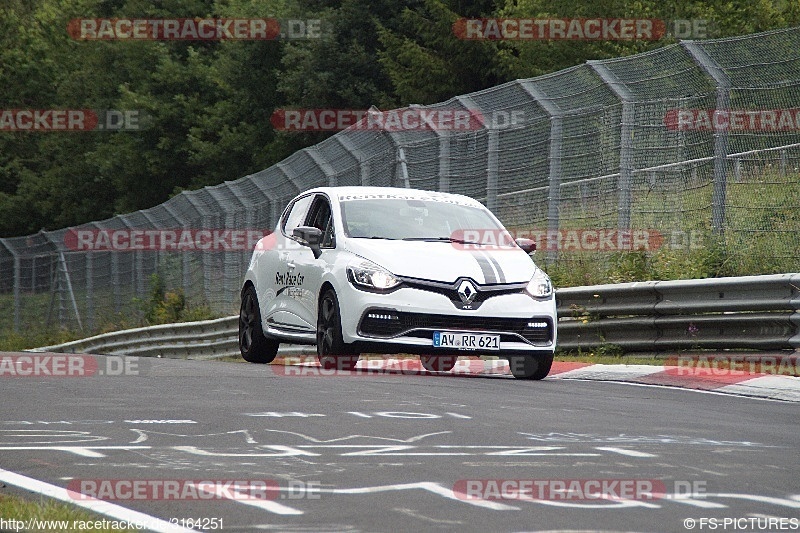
[386, 270]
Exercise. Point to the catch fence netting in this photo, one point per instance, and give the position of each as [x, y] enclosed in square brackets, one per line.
[687, 153]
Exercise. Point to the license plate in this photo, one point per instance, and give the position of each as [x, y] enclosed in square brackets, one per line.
[465, 341]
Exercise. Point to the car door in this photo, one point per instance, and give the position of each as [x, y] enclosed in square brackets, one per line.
[285, 311]
[310, 268]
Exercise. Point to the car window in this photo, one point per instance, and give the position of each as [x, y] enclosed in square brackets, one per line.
[296, 214]
[410, 219]
[320, 217]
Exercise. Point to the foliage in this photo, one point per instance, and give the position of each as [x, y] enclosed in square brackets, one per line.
[209, 103]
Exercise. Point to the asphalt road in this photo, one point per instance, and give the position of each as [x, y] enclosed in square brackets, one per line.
[383, 452]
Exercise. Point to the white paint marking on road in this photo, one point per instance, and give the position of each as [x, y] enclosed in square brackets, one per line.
[456, 415]
[275, 414]
[792, 502]
[430, 487]
[623, 451]
[349, 437]
[688, 500]
[380, 450]
[414, 514]
[284, 451]
[98, 506]
[385, 449]
[144, 435]
[83, 451]
[247, 499]
[21, 436]
[613, 503]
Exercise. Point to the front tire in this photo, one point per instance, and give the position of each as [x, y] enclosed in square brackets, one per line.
[530, 366]
[438, 363]
[331, 349]
[253, 345]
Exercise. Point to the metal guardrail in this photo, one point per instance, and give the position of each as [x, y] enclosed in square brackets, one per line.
[759, 312]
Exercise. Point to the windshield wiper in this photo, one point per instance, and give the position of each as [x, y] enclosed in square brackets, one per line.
[442, 239]
[376, 237]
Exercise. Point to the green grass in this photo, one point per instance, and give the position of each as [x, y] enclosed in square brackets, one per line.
[16, 508]
[762, 223]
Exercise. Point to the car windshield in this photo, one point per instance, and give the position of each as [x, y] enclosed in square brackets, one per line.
[412, 219]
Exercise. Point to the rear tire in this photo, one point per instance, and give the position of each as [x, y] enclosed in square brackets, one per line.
[438, 363]
[331, 349]
[253, 345]
[530, 366]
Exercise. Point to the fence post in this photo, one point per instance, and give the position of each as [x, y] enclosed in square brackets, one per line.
[115, 281]
[492, 169]
[709, 66]
[625, 141]
[364, 165]
[784, 163]
[444, 151]
[554, 159]
[326, 168]
[186, 279]
[90, 290]
[402, 168]
[17, 282]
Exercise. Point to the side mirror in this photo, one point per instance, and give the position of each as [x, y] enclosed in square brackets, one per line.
[311, 237]
[528, 246]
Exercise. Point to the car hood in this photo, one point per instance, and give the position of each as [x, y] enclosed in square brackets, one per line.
[444, 261]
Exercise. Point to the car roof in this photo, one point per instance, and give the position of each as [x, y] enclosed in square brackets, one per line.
[357, 192]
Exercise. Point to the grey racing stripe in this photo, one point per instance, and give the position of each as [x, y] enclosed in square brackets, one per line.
[498, 268]
[486, 267]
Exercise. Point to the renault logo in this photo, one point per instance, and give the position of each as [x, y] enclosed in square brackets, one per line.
[467, 291]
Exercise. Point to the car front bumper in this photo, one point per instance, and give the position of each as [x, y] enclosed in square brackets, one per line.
[404, 321]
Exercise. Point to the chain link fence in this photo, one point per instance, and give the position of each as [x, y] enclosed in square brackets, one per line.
[579, 158]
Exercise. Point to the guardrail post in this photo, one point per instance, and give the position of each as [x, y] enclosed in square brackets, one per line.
[716, 72]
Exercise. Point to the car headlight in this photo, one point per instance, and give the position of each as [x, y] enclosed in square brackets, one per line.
[370, 276]
[540, 285]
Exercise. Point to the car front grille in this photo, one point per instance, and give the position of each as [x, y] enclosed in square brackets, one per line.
[386, 324]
